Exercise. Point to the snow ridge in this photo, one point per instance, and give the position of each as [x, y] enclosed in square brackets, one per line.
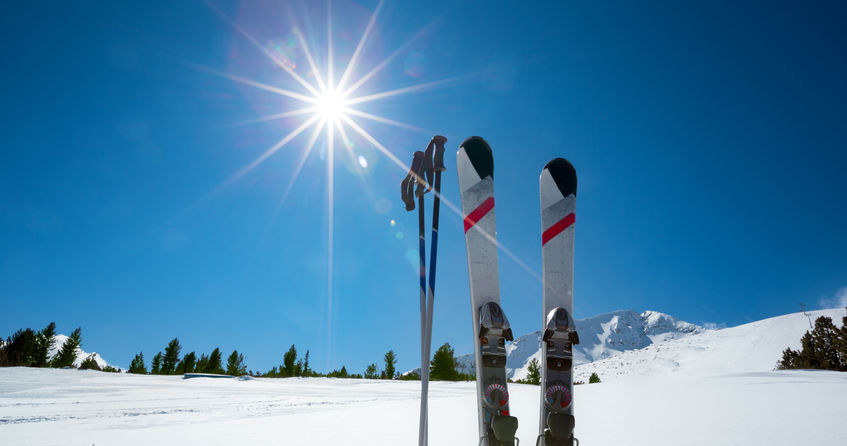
[749, 348]
[602, 336]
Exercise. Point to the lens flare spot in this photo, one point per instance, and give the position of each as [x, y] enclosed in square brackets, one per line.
[412, 258]
[392, 222]
[415, 64]
[362, 161]
[382, 206]
[399, 235]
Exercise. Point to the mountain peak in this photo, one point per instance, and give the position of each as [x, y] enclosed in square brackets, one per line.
[60, 339]
[663, 327]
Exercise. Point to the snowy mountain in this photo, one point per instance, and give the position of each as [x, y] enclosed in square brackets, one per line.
[753, 347]
[60, 339]
[602, 336]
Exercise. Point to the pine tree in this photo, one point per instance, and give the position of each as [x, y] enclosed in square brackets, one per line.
[187, 364]
[808, 357]
[443, 365]
[372, 372]
[821, 348]
[68, 352]
[214, 365]
[171, 357]
[339, 373]
[825, 334]
[202, 364]
[533, 372]
[137, 365]
[235, 364]
[289, 359]
[594, 378]
[156, 365]
[44, 342]
[306, 370]
[89, 363]
[790, 360]
[841, 343]
[20, 349]
[390, 361]
[817, 348]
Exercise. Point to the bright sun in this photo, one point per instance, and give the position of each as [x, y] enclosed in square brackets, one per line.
[331, 105]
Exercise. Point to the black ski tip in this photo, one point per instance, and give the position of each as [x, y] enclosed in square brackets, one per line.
[563, 174]
[479, 152]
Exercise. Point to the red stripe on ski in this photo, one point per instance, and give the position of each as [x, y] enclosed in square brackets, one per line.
[478, 213]
[554, 230]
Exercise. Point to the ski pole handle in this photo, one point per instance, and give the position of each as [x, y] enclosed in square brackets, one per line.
[438, 156]
[407, 187]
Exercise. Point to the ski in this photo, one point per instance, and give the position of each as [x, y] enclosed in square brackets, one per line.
[475, 167]
[558, 205]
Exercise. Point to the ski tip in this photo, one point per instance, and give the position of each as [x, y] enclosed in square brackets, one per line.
[479, 153]
[563, 174]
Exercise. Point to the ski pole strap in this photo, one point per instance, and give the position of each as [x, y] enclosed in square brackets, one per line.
[407, 187]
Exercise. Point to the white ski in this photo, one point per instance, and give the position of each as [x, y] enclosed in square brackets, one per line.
[475, 167]
[558, 205]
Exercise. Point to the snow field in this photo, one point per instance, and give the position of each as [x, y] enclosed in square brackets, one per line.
[692, 387]
[73, 407]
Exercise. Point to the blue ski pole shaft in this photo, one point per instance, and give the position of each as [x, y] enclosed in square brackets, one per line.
[422, 432]
[431, 299]
[437, 166]
[432, 262]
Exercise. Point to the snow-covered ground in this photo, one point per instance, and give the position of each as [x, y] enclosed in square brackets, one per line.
[687, 386]
[74, 407]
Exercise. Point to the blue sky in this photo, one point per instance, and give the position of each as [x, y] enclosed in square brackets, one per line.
[708, 140]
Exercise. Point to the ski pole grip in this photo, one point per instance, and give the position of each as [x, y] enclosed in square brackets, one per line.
[438, 155]
[407, 187]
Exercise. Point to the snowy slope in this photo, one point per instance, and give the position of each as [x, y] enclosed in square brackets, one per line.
[77, 407]
[60, 339]
[601, 336]
[705, 387]
[753, 347]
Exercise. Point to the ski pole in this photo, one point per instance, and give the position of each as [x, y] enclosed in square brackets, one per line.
[415, 186]
[424, 359]
[437, 157]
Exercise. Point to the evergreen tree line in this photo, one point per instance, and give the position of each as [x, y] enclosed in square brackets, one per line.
[824, 347]
[30, 348]
[169, 362]
[388, 372]
[293, 367]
